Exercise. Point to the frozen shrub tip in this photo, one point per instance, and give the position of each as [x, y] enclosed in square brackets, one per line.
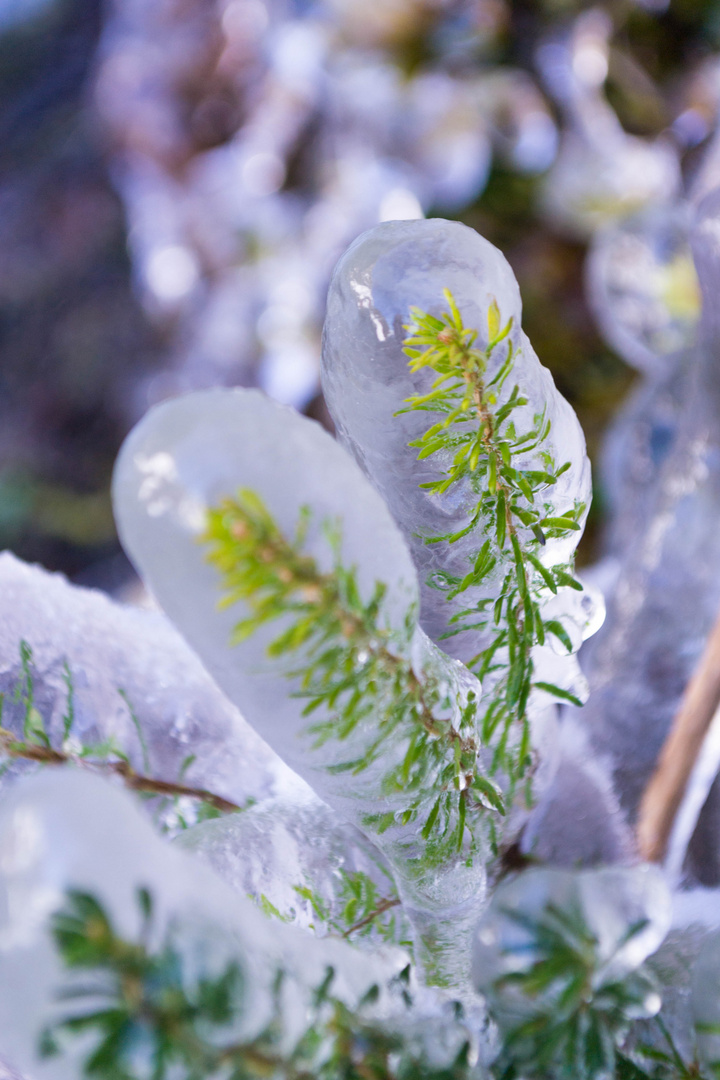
[479, 444]
[560, 958]
[330, 615]
[361, 672]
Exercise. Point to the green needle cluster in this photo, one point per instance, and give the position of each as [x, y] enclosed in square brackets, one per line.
[350, 663]
[145, 1012]
[479, 443]
[564, 1014]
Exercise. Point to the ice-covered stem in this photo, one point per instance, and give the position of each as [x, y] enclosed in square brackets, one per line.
[478, 436]
[106, 758]
[361, 673]
[388, 271]
[42, 754]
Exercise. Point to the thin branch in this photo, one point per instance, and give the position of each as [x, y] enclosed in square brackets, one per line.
[46, 755]
[382, 907]
[664, 793]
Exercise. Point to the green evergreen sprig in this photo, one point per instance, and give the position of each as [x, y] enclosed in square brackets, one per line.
[358, 909]
[350, 663]
[146, 1013]
[35, 745]
[563, 1015]
[480, 446]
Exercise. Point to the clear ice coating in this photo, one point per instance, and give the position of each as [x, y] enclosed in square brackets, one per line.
[64, 829]
[182, 459]
[625, 911]
[637, 444]
[366, 379]
[108, 648]
[601, 173]
[642, 286]
[667, 595]
[277, 850]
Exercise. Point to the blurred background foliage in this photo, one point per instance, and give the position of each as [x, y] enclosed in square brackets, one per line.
[82, 343]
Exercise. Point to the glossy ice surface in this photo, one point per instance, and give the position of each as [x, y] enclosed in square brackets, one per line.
[182, 459]
[366, 380]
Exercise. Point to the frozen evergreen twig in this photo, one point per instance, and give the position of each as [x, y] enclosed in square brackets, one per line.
[106, 758]
[362, 907]
[354, 667]
[478, 439]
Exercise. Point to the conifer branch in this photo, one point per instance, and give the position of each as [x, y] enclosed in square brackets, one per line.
[361, 908]
[352, 665]
[511, 514]
[383, 906]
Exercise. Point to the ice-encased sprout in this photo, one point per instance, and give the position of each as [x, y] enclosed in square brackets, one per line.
[111, 648]
[387, 273]
[298, 857]
[183, 459]
[66, 830]
[366, 379]
[558, 955]
[668, 592]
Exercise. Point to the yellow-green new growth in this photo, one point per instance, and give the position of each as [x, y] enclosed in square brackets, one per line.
[350, 663]
[477, 433]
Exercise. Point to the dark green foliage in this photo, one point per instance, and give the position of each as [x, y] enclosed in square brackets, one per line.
[512, 518]
[150, 1016]
[562, 1014]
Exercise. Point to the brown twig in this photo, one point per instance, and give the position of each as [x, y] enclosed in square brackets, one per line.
[666, 788]
[46, 755]
[382, 907]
